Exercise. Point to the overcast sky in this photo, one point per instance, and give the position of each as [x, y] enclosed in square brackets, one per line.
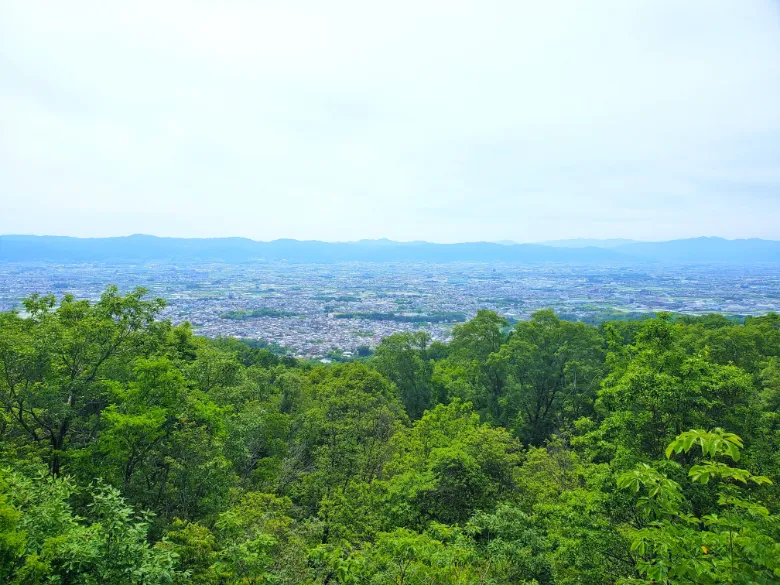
[436, 120]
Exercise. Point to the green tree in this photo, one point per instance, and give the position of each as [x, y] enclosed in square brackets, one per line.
[478, 374]
[553, 371]
[737, 542]
[448, 465]
[54, 362]
[402, 358]
[344, 436]
[657, 389]
[43, 541]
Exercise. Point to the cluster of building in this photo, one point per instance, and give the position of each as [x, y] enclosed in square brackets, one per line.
[321, 310]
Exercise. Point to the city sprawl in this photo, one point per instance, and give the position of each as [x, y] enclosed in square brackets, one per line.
[317, 310]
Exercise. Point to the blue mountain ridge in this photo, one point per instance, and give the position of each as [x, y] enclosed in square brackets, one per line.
[146, 248]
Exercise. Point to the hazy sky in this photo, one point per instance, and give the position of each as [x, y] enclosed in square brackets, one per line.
[436, 120]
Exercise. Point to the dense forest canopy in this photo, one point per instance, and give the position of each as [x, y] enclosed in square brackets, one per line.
[548, 452]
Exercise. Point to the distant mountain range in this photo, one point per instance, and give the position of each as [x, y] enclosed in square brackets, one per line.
[143, 248]
[585, 243]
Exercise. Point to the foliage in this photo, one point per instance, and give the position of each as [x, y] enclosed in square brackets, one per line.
[734, 542]
[43, 541]
[549, 452]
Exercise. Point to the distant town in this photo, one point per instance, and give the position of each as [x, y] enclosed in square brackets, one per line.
[325, 311]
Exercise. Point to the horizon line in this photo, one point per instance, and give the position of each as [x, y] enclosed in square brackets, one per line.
[500, 242]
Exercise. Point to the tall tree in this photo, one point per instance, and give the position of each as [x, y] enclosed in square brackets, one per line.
[475, 350]
[402, 357]
[658, 389]
[553, 371]
[54, 361]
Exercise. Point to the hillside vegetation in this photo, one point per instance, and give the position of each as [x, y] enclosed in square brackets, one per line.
[548, 452]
